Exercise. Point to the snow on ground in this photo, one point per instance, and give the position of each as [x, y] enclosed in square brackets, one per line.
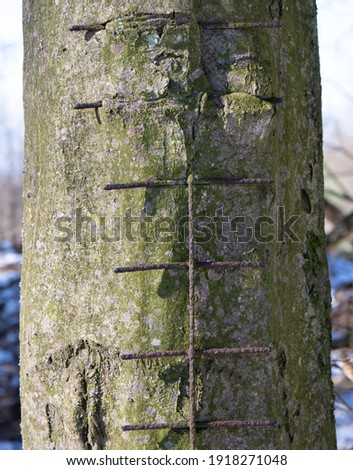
[341, 277]
[10, 263]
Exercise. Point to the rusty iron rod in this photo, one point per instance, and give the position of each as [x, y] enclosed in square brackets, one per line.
[185, 265]
[88, 28]
[229, 264]
[191, 350]
[205, 25]
[198, 352]
[97, 104]
[151, 267]
[241, 25]
[201, 425]
[183, 182]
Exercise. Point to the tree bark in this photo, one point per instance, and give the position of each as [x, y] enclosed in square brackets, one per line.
[181, 89]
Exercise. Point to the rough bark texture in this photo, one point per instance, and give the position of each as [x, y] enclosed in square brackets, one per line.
[178, 99]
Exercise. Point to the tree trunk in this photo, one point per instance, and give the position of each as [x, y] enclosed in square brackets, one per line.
[179, 89]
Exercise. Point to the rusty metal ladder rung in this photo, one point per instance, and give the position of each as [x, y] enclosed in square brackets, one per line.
[198, 352]
[207, 25]
[191, 265]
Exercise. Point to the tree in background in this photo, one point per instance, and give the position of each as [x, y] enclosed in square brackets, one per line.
[11, 156]
[183, 91]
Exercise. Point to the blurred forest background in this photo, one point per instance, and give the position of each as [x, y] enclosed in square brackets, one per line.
[11, 121]
[336, 50]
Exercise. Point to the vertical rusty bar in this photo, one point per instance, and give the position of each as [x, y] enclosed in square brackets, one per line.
[191, 352]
